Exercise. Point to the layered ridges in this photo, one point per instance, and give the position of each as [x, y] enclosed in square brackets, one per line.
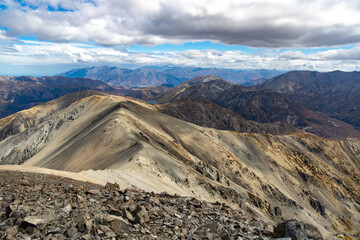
[262, 106]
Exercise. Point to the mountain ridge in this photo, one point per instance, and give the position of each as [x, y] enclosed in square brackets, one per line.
[336, 93]
[263, 106]
[18, 93]
[208, 114]
[233, 75]
[124, 77]
[126, 140]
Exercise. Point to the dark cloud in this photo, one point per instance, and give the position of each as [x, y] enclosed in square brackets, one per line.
[264, 23]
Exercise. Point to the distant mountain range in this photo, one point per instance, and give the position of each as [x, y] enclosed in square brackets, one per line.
[336, 94]
[242, 77]
[125, 77]
[155, 76]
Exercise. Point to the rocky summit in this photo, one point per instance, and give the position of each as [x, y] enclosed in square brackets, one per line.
[41, 206]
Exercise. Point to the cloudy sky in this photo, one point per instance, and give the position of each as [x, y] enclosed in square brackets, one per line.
[39, 37]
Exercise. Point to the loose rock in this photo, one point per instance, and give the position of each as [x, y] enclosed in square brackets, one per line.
[51, 207]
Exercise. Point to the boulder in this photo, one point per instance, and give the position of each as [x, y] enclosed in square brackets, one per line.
[142, 217]
[297, 230]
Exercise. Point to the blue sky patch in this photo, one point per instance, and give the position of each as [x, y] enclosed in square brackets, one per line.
[191, 46]
[59, 8]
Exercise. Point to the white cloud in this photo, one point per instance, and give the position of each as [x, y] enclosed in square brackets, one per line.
[328, 55]
[293, 55]
[3, 36]
[74, 54]
[258, 23]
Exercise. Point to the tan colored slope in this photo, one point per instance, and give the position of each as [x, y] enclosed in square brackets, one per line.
[25, 119]
[33, 115]
[24, 133]
[120, 140]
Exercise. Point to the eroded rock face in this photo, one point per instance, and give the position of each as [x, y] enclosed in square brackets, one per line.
[50, 207]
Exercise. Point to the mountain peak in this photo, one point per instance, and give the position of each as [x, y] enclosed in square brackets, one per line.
[213, 79]
[209, 78]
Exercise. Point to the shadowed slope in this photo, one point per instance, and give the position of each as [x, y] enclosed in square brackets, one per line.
[208, 114]
[335, 93]
[19, 93]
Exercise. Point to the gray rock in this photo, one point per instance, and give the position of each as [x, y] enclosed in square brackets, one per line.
[67, 209]
[225, 235]
[142, 217]
[128, 215]
[118, 224]
[71, 232]
[12, 231]
[61, 209]
[297, 230]
[54, 230]
[108, 232]
[10, 209]
[37, 221]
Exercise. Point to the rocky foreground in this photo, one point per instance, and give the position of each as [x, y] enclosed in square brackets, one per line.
[37, 206]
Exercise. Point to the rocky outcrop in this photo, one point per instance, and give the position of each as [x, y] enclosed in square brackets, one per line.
[36, 206]
[297, 230]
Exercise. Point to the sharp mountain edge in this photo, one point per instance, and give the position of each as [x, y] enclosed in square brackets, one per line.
[127, 141]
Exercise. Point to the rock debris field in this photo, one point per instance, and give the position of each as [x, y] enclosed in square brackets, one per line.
[39, 206]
